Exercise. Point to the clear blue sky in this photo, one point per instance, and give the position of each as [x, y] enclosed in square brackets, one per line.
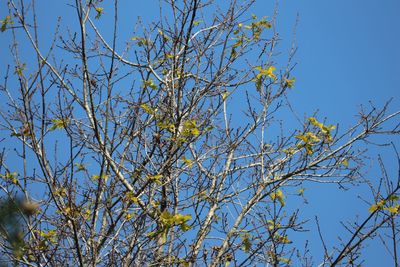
[348, 54]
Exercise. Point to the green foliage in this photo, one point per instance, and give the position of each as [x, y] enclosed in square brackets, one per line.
[164, 36]
[289, 151]
[308, 139]
[301, 191]
[246, 242]
[345, 162]
[378, 206]
[169, 220]
[166, 125]
[149, 83]
[130, 197]
[20, 68]
[60, 192]
[289, 82]
[10, 176]
[140, 41]
[190, 128]
[325, 129]
[99, 12]
[169, 128]
[98, 177]
[278, 195]
[58, 124]
[257, 27]
[197, 22]
[5, 22]
[148, 109]
[239, 42]
[155, 178]
[49, 235]
[284, 260]
[266, 72]
[388, 204]
[187, 161]
[80, 167]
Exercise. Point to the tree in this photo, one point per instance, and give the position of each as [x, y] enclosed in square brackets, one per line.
[137, 155]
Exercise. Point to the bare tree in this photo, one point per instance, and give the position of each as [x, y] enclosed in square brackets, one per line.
[170, 151]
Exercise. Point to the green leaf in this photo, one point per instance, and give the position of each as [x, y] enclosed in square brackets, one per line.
[152, 234]
[197, 22]
[289, 82]
[99, 11]
[233, 53]
[246, 243]
[58, 124]
[187, 161]
[258, 82]
[140, 41]
[257, 27]
[12, 176]
[150, 83]
[190, 129]
[345, 162]
[285, 260]
[278, 195]
[166, 125]
[5, 22]
[185, 227]
[308, 138]
[301, 191]
[266, 72]
[60, 192]
[148, 109]
[80, 167]
[155, 178]
[393, 198]
[325, 129]
[130, 197]
[19, 69]
[378, 206]
[289, 151]
[225, 95]
[164, 36]
[393, 209]
[98, 177]
[283, 239]
[272, 226]
[49, 235]
[129, 216]
[239, 42]
[169, 220]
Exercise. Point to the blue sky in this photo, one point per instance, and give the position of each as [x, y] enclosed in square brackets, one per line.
[348, 54]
